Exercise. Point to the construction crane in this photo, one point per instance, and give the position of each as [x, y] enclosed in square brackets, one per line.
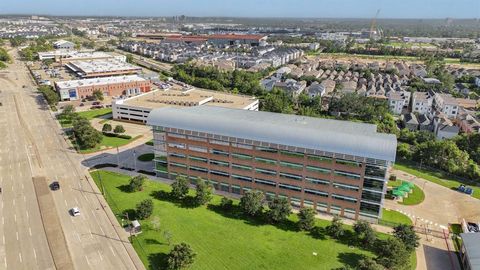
[373, 25]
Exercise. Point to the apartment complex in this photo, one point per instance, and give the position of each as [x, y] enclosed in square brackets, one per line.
[336, 167]
[110, 86]
[137, 108]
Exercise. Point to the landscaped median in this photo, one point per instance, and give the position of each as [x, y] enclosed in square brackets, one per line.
[225, 239]
[436, 177]
[66, 121]
[415, 197]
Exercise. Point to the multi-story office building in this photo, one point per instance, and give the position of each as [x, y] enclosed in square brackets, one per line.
[337, 167]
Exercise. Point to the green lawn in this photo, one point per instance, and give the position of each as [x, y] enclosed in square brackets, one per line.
[436, 177]
[392, 217]
[109, 142]
[65, 122]
[414, 198]
[146, 157]
[97, 113]
[221, 239]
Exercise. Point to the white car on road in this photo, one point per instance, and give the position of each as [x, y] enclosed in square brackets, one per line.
[75, 211]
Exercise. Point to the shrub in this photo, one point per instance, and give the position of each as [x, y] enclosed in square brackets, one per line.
[306, 219]
[179, 188]
[180, 257]
[136, 183]
[144, 209]
[226, 203]
[252, 202]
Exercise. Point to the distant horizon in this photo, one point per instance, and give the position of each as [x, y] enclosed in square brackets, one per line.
[300, 9]
[231, 17]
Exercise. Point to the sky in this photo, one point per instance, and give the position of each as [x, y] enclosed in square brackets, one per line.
[249, 8]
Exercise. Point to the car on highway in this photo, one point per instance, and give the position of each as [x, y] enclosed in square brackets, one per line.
[75, 211]
[55, 185]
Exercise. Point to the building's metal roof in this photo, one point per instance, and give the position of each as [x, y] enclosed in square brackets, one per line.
[335, 136]
[471, 242]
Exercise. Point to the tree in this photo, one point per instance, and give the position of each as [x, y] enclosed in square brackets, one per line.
[144, 209]
[368, 263]
[180, 257]
[279, 209]
[252, 202]
[407, 235]
[404, 151]
[179, 188]
[364, 232]
[226, 203]
[392, 254]
[306, 219]
[97, 94]
[204, 192]
[118, 129]
[335, 229]
[168, 236]
[68, 111]
[136, 183]
[106, 128]
[50, 95]
[86, 136]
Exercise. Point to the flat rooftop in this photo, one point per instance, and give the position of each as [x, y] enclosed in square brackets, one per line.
[335, 136]
[176, 96]
[471, 241]
[101, 66]
[99, 81]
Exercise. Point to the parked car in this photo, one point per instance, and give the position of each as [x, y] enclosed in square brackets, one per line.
[55, 185]
[75, 211]
[81, 104]
[465, 189]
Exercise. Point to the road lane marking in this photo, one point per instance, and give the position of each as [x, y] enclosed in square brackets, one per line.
[20, 256]
[113, 252]
[24, 198]
[100, 254]
[15, 217]
[27, 214]
[30, 231]
[102, 231]
[5, 261]
[3, 240]
[17, 235]
[22, 186]
[34, 253]
[86, 258]
[65, 202]
[13, 201]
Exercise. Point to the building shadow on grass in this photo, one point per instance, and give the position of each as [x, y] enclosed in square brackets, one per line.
[151, 241]
[124, 188]
[157, 261]
[130, 213]
[349, 258]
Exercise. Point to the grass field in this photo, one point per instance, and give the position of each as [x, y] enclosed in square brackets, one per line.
[414, 198]
[64, 122]
[146, 157]
[394, 217]
[109, 142]
[436, 177]
[222, 239]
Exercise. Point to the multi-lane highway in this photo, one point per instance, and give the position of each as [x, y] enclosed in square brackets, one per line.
[33, 235]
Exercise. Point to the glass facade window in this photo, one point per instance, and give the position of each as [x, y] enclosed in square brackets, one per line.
[236, 189]
[200, 149]
[198, 139]
[318, 169]
[265, 182]
[219, 173]
[292, 154]
[317, 181]
[176, 164]
[266, 149]
[371, 196]
[295, 166]
[241, 167]
[290, 187]
[219, 163]
[291, 176]
[266, 160]
[224, 187]
[347, 174]
[344, 198]
[348, 162]
[346, 187]
[316, 192]
[241, 156]
[319, 158]
[307, 203]
[242, 178]
[368, 208]
[219, 152]
[375, 171]
[243, 146]
[373, 184]
[265, 171]
[176, 145]
[174, 135]
[176, 155]
[199, 159]
[219, 142]
[198, 169]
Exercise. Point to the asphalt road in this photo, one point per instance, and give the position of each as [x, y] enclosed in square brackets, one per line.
[32, 145]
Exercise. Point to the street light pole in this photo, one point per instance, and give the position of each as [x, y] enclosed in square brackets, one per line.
[135, 160]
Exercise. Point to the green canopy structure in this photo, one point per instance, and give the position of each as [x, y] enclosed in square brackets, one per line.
[398, 193]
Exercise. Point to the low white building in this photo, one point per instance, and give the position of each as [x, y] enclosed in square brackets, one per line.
[63, 45]
[446, 104]
[422, 102]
